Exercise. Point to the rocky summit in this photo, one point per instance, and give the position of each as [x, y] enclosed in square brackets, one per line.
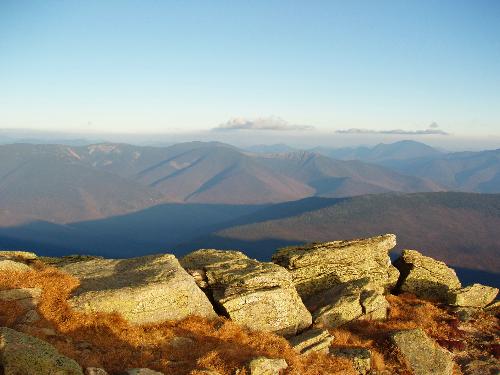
[338, 307]
[318, 267]
[256, 294]
[143, 290]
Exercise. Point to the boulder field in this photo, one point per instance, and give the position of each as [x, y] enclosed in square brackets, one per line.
[302, 294]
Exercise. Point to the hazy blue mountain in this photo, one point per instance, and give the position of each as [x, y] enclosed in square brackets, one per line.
[463, 171]
[62, 183]
[271, 149]
[382, 153]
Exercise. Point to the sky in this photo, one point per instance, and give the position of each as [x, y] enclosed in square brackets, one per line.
[336, 72]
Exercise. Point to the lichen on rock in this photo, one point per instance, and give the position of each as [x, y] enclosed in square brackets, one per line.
[24, 354]
[321, 266]
[144, 290]
[425, 277]
[258, 295]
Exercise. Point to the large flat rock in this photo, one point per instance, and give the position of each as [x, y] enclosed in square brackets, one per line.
[358, 299]
[423, 355]
[258, 295]
[143, 290]
[318, 267]
[425, 277]
[312, 341]
[475, 295]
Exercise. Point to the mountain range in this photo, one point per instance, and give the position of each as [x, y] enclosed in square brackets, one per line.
[123, 200]
[63, 183]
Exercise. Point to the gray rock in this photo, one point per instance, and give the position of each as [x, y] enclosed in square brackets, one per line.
[350, 301]
[148, 289]
[360, 357]
[319, 267]
[23, 354]
[476, 295]
[310, 341]
[266, 366]
[423, 355]
[258, 295]
[425, 277]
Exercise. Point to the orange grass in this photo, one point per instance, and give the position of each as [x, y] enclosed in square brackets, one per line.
[406, 312]
[108, 341]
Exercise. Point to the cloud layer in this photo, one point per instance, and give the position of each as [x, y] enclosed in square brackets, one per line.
[433, 129]
[263, 123]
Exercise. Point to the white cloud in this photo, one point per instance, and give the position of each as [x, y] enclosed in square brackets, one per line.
[263, 123]
[432, 130]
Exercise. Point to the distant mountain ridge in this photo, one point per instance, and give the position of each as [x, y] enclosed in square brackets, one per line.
[71, 183]
[382, 152]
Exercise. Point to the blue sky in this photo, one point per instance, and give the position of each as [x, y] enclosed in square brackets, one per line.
[281, 68]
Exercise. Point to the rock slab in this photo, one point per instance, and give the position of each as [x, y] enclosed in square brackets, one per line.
[258, 295]
[148, 289]
[350, 301]
[318, 267]
[312, 341]
[476, 295]
[23, 354]
[425, 277]
[423, 355]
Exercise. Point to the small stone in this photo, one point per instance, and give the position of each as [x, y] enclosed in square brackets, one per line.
[266, 366]
[313, 340]
[476, 295]
[360, 357]
[95, 371]
[423, 355]
[24, 354]
[425, 277]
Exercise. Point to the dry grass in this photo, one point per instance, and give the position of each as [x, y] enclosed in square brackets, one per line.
[108, 341]
[406, 312]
